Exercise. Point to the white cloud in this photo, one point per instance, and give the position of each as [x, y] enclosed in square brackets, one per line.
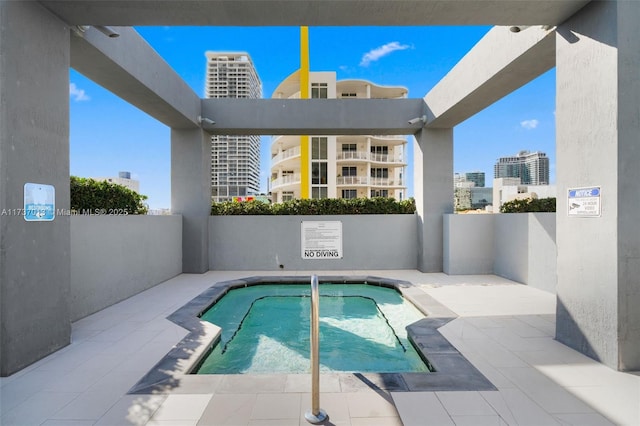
[77, 94]
[379, 52]
[529, 124]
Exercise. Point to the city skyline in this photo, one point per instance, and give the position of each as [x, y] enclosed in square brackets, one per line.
[413, 57]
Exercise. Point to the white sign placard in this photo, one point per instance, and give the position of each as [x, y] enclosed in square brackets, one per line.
[39, 202]
[584, 202]
[321, 240]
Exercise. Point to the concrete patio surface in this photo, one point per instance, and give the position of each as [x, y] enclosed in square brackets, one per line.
[505, 329]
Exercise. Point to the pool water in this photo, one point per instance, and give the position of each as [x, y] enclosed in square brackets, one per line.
[265, 329]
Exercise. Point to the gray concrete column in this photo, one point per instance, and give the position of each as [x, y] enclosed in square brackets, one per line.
[598, 123]
[433, 192]
[191, 194]
[34, 148]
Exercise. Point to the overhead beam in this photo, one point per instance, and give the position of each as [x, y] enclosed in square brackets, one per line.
[501, 62]
[130, 68]
[314, 12]
[312, 116]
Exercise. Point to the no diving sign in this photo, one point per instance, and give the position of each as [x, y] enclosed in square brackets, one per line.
[584, 202]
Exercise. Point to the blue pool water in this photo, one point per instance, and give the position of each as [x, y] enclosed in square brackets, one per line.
[265, 329]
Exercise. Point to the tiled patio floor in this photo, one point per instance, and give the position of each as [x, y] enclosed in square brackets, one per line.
[505, 329]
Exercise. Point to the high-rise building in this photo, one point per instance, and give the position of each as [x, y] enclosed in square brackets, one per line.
[476, 177]
[337, 166]
[235, 160]
[531, 167]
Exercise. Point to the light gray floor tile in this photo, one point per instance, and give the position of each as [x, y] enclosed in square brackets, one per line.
[274, 422]
[302, 383]
[495, 354]
[478, 421]
[75, 381]
[375, 421]
[36, 409]
[465, 404]
[131, 410]
[421, 409]
[620, 404]
[182, 407]
[517, 408]
[552, 398]
[371, 404]
[89, 405]
[19, 390]
[260, 383]
[497, 402]
[68, 423]
[277, 406]
[522, 328]
[172, 423]
[228, 410]
[593, 419]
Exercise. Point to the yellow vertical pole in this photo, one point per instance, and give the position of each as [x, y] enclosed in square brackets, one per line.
[304, 94]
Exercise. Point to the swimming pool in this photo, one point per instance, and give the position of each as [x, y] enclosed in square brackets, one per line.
[265, 329]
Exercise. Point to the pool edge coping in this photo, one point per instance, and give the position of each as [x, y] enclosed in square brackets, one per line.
[453, 371]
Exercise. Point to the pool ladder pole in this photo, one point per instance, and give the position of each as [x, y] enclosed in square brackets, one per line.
[316, 414]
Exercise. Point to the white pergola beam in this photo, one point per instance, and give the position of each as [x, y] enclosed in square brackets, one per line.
[501, 62]
[314, 12]
[313, 116]
[131, 69]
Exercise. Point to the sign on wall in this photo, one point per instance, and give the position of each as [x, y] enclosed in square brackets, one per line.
[39, 202]
[321, 240]
[584, 202]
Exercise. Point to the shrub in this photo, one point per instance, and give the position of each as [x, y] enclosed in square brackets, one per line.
[530, 205]
[324, 206]
[91, 196]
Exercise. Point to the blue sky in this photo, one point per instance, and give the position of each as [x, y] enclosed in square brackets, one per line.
[108, 135]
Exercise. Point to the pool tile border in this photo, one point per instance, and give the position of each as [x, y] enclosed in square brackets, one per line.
[453, 372]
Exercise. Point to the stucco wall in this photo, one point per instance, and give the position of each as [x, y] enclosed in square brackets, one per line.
[468, 244]
[115, 257]
[266, 242]
[517, 246]
[511, 247]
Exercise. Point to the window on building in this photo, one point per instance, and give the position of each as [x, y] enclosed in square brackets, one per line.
[287, 195]
[349, 193]
[349, 95]
[319, 90]
[349, 171]
[318, 148]
[349, 147]
[377, 172]
[318, 173]
[379, 193]
[319, 192]
[380, 149]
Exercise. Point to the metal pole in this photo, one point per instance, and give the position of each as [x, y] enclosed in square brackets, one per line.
[316, 415]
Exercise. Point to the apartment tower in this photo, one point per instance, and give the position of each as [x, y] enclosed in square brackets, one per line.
[235, 160]
[532, 168]
[337, 166]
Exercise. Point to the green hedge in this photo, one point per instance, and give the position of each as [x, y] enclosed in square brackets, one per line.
[530, 205]
[89, 196]
[325, 206]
